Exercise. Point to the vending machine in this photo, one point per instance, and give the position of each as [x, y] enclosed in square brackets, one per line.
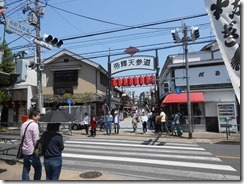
[227, 117]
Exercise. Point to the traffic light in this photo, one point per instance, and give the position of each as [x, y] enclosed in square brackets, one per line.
[175, 35]
[194, 33]
[166, 87]
[52, 40]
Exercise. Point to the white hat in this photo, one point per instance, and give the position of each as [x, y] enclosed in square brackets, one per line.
[115, 112]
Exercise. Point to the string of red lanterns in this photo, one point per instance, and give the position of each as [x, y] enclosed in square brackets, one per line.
[134, 81]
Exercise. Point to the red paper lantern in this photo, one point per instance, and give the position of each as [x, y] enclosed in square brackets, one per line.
[152, 79]
[146, 79]
[119, 82]
[114, 82]
[124, 81]
[141, 81]
[129, 81]
[135, 81]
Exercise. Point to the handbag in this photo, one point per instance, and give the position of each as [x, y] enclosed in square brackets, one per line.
[39, 147]
[19, 153]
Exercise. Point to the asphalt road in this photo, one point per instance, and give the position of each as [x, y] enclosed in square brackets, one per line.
[230, 154]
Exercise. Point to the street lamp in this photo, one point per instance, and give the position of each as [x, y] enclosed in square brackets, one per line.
[194, 35]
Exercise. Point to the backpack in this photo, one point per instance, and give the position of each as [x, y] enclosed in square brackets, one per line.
[158, 119]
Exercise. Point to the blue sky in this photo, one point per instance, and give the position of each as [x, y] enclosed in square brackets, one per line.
[70, 18]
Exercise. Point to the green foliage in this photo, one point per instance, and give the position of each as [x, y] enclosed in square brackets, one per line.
[81, 98]
[3, 95]
[7, 67]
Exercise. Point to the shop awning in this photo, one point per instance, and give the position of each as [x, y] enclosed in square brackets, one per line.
[182, 98]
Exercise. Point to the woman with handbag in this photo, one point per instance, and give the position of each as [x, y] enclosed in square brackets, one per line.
[53, 145]
[30, 135]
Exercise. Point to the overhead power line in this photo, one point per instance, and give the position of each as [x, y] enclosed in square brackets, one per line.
[136, 27]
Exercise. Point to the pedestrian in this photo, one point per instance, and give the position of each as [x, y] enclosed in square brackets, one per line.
[176, 123]
[102, 122]
[135, 120]
[149, 114]
[109, 121]
[93, 125]
[116, 122]
[158, 127]
[144, 120]
[163, 120]
[30, 140]
[86, 122]
[53, 146]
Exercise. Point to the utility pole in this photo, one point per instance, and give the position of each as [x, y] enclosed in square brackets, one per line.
[185, 43]
[38, 58]
[185, 39]
[157, 97]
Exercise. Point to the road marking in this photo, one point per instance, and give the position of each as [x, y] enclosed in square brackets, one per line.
[153, 155]
[133, 141]
[109, 147]
[133, 145]
[234, 157]
[151, 161]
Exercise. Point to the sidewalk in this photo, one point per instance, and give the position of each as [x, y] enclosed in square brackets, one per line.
[11, 170]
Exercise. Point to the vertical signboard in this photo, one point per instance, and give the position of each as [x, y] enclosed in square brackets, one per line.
[227, 117]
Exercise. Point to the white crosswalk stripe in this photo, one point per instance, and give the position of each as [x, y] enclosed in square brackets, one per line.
[180, 158]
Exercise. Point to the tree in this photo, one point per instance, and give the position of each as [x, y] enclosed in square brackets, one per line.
[7, 68]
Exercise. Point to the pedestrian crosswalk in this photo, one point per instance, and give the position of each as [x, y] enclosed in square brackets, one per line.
[146, 159]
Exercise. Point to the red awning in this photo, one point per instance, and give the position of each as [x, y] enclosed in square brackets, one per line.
[182, 98]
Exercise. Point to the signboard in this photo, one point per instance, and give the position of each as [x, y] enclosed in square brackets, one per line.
[42, 44]
[1, 3]
[227, 117]
[178, 90]
[14, 26]
[132, 63]
[203, 75]
[69, 101]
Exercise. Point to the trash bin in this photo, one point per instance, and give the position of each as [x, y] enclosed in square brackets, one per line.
[25, 118]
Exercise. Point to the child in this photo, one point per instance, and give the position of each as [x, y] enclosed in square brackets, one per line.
[93, 124]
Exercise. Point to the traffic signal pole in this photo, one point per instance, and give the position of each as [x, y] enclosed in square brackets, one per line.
[185, 43]
[38, 59]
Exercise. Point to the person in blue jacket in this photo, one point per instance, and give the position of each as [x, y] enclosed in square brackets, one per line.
[109, 121]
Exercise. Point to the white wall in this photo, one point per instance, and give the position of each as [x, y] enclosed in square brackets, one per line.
[211, 98]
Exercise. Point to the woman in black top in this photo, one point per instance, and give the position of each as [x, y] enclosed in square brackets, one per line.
[53, 146]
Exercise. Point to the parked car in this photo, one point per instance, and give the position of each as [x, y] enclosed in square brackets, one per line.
[77, 126]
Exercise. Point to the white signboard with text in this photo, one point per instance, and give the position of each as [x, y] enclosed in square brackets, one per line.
[203, 75]
[14, 26]
[132, 63]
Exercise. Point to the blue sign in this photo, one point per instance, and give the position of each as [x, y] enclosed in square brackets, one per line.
[178, 90]
[69, 101]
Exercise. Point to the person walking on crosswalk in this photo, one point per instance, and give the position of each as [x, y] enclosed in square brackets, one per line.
[163, 119]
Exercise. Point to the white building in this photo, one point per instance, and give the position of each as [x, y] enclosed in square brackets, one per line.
[211, 93]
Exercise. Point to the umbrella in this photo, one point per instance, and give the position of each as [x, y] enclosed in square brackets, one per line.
[57, 116]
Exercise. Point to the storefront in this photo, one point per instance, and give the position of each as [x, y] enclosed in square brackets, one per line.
[178, 102]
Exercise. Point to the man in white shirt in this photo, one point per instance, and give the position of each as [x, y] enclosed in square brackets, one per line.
[144, 119]
[86, 122]
[116, 122]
